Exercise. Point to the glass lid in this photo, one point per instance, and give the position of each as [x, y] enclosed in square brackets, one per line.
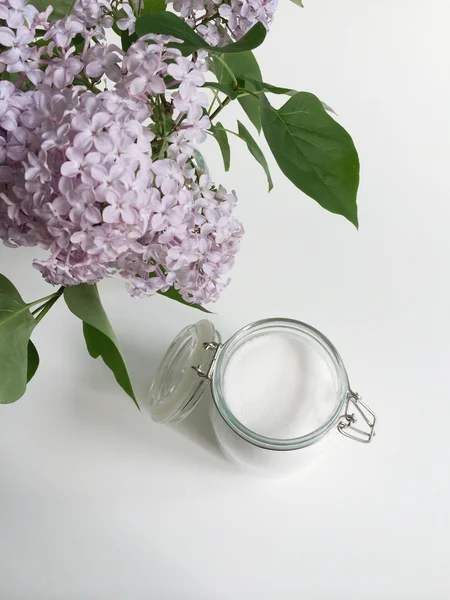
[182, 376]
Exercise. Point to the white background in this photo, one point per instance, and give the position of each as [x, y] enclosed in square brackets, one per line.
[96, 502]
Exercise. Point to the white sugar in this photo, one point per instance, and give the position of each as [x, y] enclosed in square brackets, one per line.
[280, 385]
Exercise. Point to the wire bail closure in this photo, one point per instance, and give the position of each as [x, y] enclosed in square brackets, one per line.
[346, 424]
[205, 371]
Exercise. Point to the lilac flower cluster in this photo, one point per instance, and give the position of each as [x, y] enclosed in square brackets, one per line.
[221, 21]
[104, 178]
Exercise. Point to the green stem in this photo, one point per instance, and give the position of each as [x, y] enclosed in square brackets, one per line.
[227, 68]
[228, 131]
[222, 106]
[215, 98]
[83, 80]
[255, 94]
[44, 299]
[43, 310]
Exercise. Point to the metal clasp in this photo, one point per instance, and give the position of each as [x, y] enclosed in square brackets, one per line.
[205, 371]
[346, 424]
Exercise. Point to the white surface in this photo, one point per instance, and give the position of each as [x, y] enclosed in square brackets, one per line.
[96, 502]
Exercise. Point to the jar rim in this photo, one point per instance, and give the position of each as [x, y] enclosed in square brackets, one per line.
[270, 443]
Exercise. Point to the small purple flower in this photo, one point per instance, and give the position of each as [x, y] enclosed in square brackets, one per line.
[169, 176]
[91, 132]
[79, 163]
[64, 30]
[108, 178]
[101, 60]
[20, 13]
[127, 22]
[62, 71]
[58, 137]
[85, 211]
[18, 47]
[191, 78]
[120, 207]
[39, 168]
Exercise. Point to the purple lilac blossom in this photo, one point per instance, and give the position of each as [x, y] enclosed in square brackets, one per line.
[222, 21]
[86, 175]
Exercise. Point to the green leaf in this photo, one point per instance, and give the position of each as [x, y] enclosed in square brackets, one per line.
[167, 23]
[261, 86]
[255, 151]
[222, 139]
[225, 89]
[252, 39]
[298, 3]
[33, 361]
[174, 294]
[314, 152]
[61, 8]
[328, 108]
[199, 163]
[127, 40]
[84, 302]
[244, 66]
[16, 325]
[154, 6]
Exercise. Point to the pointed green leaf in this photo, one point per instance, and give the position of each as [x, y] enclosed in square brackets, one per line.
[328, 108]
[33, 361]
[61, 8]
[314, 152]
[16, 325]
[84, 302]
[252, 39]
[167, 23]
[298, 3]
[244, 66]
[255, 151]
[261, 86]
[174, 294]
[154, 6]
[222, 139]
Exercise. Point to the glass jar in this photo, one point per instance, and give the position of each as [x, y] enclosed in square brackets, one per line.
[197, 362]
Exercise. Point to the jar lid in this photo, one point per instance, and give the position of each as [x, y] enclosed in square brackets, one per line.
[183, 375]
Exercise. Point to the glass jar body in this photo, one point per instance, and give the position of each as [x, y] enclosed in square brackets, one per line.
[263, 461]
[271, 455]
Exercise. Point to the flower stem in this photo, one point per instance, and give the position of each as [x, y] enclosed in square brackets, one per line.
[20, 80]
[42, 310]
[255, 94]
[227, 68]
[214, 100]
[44, 299]
[228, 131]
[222, 106]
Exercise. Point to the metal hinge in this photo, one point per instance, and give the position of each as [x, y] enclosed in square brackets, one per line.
[205, 371]
[346, 424]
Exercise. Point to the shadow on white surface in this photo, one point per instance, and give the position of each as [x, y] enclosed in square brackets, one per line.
[198, 428]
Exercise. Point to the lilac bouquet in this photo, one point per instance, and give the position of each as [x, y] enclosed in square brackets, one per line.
[103, 104]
